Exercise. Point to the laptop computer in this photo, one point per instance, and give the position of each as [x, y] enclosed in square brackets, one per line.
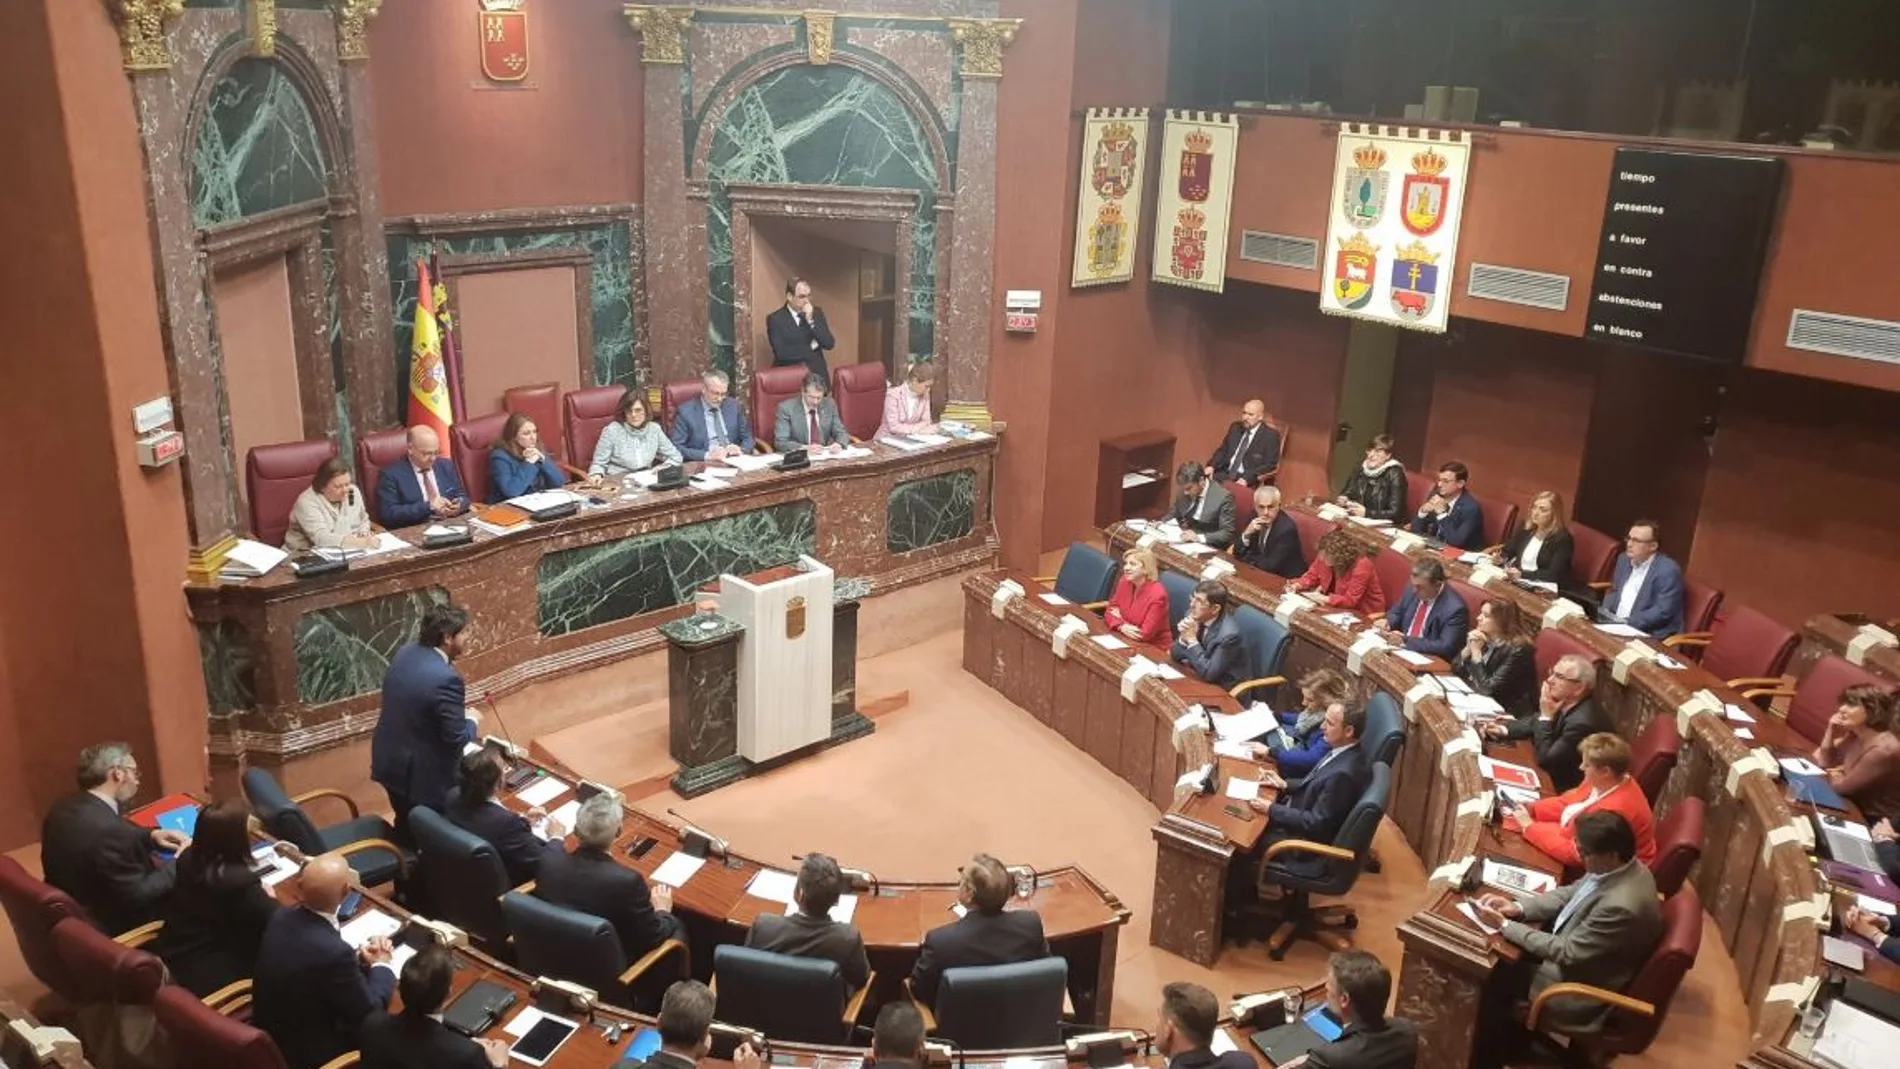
[1286, 1042]
[1847, 842]
[1872, 997]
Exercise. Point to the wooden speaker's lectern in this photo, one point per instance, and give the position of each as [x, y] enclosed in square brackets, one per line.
[785, 658]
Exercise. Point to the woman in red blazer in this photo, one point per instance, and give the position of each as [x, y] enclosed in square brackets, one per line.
[1342, 570]
[1551, 824]
[1138, 609]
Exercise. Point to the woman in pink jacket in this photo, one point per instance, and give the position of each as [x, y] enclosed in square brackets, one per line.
[907, 404]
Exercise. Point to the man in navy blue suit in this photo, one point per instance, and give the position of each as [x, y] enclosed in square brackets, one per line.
[1646, 589]
[710, 427]
[422, 486]
[1317, 807]
[1450, 515]
[424, 723]
[311, 992]
[1429, 619]
[1209, 642]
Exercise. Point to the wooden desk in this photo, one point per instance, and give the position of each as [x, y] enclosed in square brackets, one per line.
[1081, 919]
[292, 666]
[1835, 633]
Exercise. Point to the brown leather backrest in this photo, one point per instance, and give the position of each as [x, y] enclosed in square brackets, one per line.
[1553, 644]
[771, 387]
[672, 396]
[1653, 756]
[374, 452]
[1679, 843]
[274, 476]
[1749, 644]
[33, 907]
[584, 414]
[1817, 694]
[103, 970]
[1593, 556]
[540, 402]
[858, 390]
[1699, 604]
[474, 440]
[201, 1036]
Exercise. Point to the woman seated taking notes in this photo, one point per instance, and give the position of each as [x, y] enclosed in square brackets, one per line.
[1342, 570]
[1860, 753]
[1300, 742]
[330, 514]
[1498, 660]
[215, 917]
[518, 466]
[1550, 824]
[1540, 551]
[632, 442]
[1138, 610]
[1376, 489]
[907, 404]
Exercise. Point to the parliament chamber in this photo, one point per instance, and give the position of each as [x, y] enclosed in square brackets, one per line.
[591, 533]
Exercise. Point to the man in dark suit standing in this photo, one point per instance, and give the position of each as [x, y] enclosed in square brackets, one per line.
[416, 1038]
[1357, 987]
[425, 722]
[1250, 449]
[1271, 540]
[1208, 641]
[591, 881]
[710, 427]
[90, 851]
[809, 932]
[1184, 1032]
[1204, 510]
[1429, 619]
[810, 419]
[1451, 515]
[798, 332]
[984, 935]
[1565, 717]
[420, 487]
[1316, 808]
[311, 992]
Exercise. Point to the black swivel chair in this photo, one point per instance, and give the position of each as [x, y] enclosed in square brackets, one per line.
[787, 998]
[362, 840]
[1306, 868]
[566, 944]
[1000, 1007]
[1086, 577]
[1180, 588]
[1385, 738]
[462, 877]
[1267, 642]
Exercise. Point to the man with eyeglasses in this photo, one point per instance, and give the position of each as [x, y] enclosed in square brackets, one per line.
[1646, 589]
[90, 851]
[1565, 717]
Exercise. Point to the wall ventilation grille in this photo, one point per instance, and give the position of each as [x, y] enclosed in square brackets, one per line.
[1280, 250]
[1838, 335]
[1514, 285]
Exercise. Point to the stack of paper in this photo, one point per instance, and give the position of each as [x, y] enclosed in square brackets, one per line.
[899, 441]
[543, 499]
[850, 452]
[1249, 724]
[385, 543]
[541, 791]
[1620, 630]
[249, 559]
[754, 462]
[676, 870]
[1195, 549]
[1516, 880]
[772, 885]
[1417, 660]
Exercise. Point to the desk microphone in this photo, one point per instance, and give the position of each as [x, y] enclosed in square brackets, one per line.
[696, 841]
[488, 698]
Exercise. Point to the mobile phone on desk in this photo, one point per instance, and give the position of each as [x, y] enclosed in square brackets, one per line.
[643, 847]
[352, 904]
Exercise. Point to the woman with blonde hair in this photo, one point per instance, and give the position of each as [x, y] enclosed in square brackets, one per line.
[907, 404]
[1299, 743]
[1540, 551]
[1138, 609]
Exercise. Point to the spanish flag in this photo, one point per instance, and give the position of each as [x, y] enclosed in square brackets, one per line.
[429, 404]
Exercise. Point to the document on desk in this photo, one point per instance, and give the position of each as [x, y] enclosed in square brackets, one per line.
[1876, 905]
[1193, 549]
[754, 462]
[1516, 879]
[900, 441]
[772, 885]
[1234, 748]
[711, 472]
[1853, 1039]
[1341, 619]
[1242, 790]
[366, 926]
[701, 482]
[1248, 724]
[1843, 953]
[1801, 766]
[1108, 642]
[841, 913]
[1737, 714]
[543, 499]
[1472, 916]
[541, 791]
[1620, 631]
[676, 870]
[385, 543]
[1053, 599]
[850, 452]
[565, 816]
[1416, 660]
[1506, 774]
[1168, 672]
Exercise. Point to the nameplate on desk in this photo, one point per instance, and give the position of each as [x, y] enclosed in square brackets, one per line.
[1006, 591]
[1486, 573]
[1866, 640]
[1218, 568]
[1629, 657]
[1560, 610]
[1139, 668]
[1365, 644]
[1059, 642]
[1702, 702]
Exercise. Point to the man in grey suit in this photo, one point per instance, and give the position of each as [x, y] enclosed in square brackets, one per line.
[1602, 929]
[810, 932]
[810, 419]
[1205, 509]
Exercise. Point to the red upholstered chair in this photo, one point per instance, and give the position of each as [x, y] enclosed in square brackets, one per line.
[474, 440]
[1553, 644]
[1270, 478]
[1593, 556]
[1700, 602]
[672, 396]
[1637, 1012]
[1749, 644]
[374, 452]
[1311, 528]
[584, 414]
[1394, 570]
[202, 1036]
[1653, 756]
[1500, 519]
[1473, 597]
[1418, 488]
[273, 477]
[1679, 844]
[859, 391]
[540, 402]
[771, 387]
[1243, 506]
[33, 908]
[1814, 697]
[104, 970]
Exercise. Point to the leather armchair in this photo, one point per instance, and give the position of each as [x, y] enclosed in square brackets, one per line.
[1267, 642]
[1341, 861]
[1001, 1007]
[566, 944]
[274, 476]
[1500, 519]
[1311, 527]
[1087, 576]
[1180, 588]
[787, 998]
[771, 387]
[103, 970]
[1419, 487]
[1473, 597]
[364, 841]
[1385, 729]
[1243, 507]
[1552, 644]
[1593, 556]
[1700, 603]
[858, 390]
[540, 402]
[33, 907]
[1394, 572]
[1269, 478]
[1653, 756]
[1637, 1012]
[462, 876]
[202, 1036]
[1748, 644]
[474, 440]
[672, 396]
[375, 451]
[584, 414]
[1815, 695]
[1679, 844]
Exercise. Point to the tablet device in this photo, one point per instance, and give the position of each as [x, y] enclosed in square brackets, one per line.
[542, 1040]
[646, 1043]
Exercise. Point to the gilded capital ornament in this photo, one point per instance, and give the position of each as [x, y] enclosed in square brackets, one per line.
[142, 25]
[662, 31]
[983, 41]
[352, 26]
[818, 37]
[260, 18]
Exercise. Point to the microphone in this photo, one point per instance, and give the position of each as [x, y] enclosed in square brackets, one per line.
[488, 698]
[696, 841]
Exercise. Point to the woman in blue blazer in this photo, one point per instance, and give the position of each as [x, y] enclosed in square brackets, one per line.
[518, 466]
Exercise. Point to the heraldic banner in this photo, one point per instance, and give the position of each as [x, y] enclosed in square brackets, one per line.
[1192, 206]
[1108, 210]
[1392, 242]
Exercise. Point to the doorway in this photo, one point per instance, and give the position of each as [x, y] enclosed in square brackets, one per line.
[1365, 395]
[851, 265]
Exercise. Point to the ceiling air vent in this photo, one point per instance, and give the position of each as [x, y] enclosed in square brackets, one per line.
[1837, 335]
[1280, 250]
[1514, 285]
